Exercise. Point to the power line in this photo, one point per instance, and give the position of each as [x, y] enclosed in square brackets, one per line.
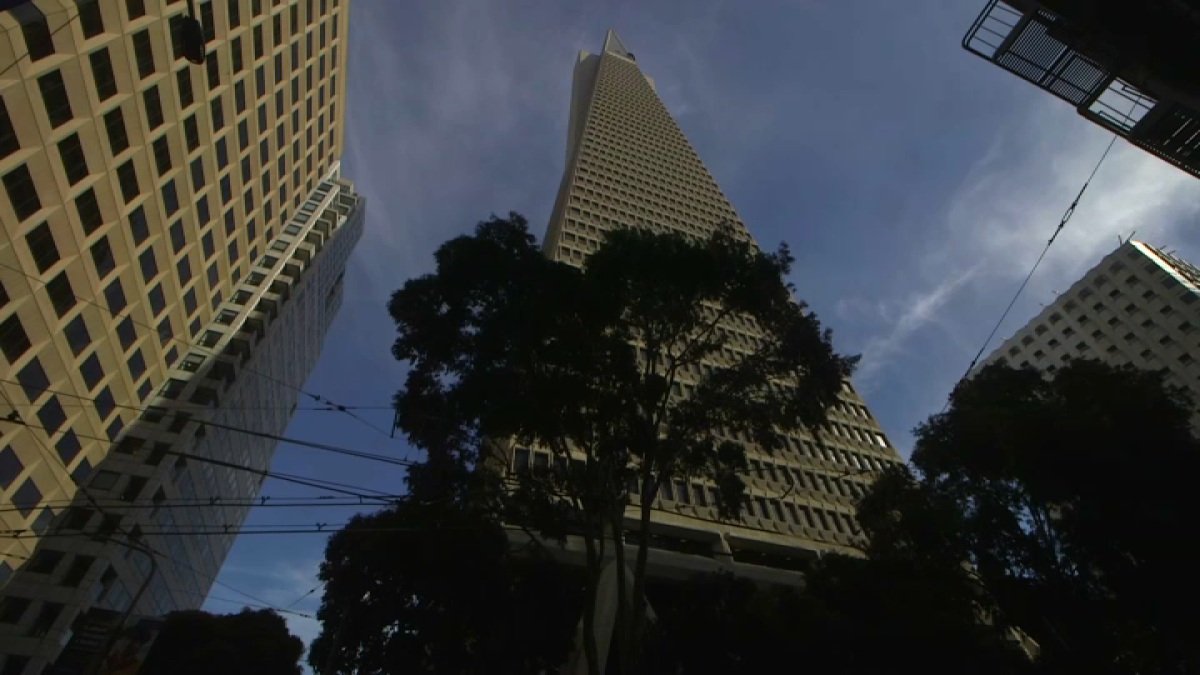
[1066, 217]
[49, 37]
[190, 345]
[290, 478]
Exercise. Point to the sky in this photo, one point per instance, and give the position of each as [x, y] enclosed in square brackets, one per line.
[915, 183]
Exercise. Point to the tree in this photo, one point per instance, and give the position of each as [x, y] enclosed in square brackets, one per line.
[614, 364]
[432, 586]
[250, 642]
[854, 616]
[1071, 497]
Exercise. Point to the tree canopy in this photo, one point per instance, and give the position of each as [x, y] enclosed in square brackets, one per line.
[630, 365]
[1070, 497]
[251, 642]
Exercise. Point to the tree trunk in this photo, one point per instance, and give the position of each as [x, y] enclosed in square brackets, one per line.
[620, 627]
[589, 603]
[633, 664]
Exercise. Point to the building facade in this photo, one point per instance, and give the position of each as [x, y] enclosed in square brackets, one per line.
[174, 238]
[629, 165]
[1138, 307]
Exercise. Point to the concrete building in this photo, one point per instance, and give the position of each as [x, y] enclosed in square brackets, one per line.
[174, 237]
[1138, 306]
[629, 165]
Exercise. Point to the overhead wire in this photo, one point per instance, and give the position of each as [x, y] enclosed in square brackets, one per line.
[203, 350]
[1053, 237]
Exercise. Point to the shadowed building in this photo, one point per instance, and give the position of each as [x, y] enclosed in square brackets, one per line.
[1128, 65]
[1138, 306]
[629, 165]
[174, 240]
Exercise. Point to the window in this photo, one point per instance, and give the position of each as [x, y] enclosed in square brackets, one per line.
[202, 213]
[198, 181]
[230, 222]
[127, 176]
[176, 29]
[239, 96]
[51, 415]
[10, 467]
[192, 133]
[233, 251]
[104, 403]
[213, 275]
[12, 609]
[27, 497]
[91, 371]
[177, 237]
[137, 225]
[162, 155]
[170, 198]
[189, 302]
[77, 335]
[90, 19]
[8, 135]
[218, 114]
[213, 63]
[54, 96]
[234, 17]
[73, 160]
[149, 265]
[13, 340]
[206, 20]
[183, 80]
[165, 334]
[154, 113]
[22, 193]
[61, 295]
[226, 191]
[114, 294]
[42, 247]
[114, 124]
[235, 54]
[207, 242]
[243, 135]
[157, 301]
[222, 154]
[33, 380]
[102, 257]
[144, 53]
[258, 41]
[68, 447]
[135, 8]
[184, 269]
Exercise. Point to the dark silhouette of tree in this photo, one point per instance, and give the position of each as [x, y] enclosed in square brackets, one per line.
[611, 363]
[251, 642]
[854, 616]
[1071, 497]
[431, 585]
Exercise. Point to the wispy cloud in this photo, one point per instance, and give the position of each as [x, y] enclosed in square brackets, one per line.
[996, 222]
[906, 319]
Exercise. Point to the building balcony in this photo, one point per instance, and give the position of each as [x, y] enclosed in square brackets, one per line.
[1088, 55]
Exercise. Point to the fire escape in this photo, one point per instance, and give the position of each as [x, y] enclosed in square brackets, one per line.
[1121, 80]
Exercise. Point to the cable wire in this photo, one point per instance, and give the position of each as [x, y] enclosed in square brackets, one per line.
[1066, 217]
[203, 350]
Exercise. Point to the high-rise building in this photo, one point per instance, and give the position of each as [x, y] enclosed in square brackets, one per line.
[629, 165]
[1138, 306]
[1126, 66]
[174, 237]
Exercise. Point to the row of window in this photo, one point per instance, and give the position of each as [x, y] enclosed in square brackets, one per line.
[682, 492]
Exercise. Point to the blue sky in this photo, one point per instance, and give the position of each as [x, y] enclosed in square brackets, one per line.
[915, 183]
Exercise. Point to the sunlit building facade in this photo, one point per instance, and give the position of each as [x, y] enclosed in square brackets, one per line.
[174, 240]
